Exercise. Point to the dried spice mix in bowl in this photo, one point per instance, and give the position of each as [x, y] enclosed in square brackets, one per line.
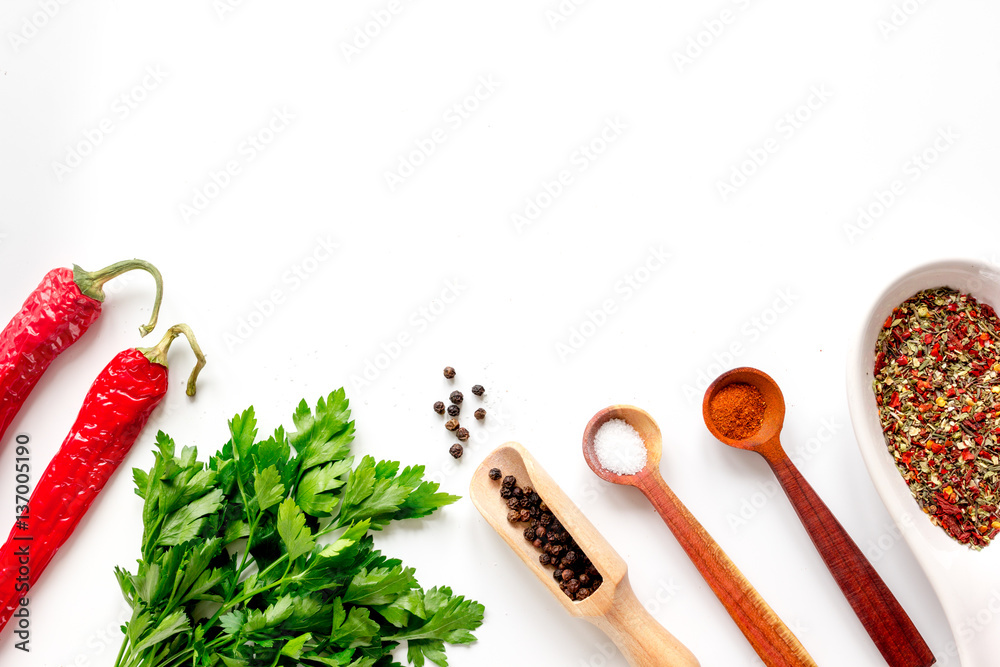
[937, 386]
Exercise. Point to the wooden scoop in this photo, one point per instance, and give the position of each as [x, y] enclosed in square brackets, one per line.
[769, 636]
[613, 607]
[884, 618]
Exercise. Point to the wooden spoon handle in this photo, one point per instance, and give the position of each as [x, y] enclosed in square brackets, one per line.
[643, 641]
[885, 620]
[767, 634]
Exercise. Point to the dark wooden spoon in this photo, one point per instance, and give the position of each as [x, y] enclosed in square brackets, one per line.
[883, 617]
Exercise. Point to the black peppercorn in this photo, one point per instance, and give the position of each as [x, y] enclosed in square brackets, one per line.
[509, 480]
[439, 407]
[456, 450]
[567, 575]
[478, 390]
[584, 579]
[573, 585]
[536, 543]
[514, 504]
[456, 397]
[583, 594]
[495, 474]
[557, 575]
[506, 492]
[451, 424]
[453, 410]
[449, 372]
[545, 559]
[480, 414]
[462, 434]
[513, 516]
[518, 492]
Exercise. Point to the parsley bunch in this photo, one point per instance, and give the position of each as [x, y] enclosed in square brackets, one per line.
[264, 557]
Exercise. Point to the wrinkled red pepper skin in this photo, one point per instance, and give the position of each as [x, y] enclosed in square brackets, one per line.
[53, 317]
[115, 410]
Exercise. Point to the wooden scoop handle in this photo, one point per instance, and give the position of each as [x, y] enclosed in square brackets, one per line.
[769, 636]
[643, 641]
[885, 620]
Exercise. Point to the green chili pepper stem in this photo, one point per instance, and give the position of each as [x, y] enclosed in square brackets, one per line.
[158, 353]
[91, 283]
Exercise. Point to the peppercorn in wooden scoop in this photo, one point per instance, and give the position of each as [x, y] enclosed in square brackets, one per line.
[612, 607]
[744, 408]
[769, 636]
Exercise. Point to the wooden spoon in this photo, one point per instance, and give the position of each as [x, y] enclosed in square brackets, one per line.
[769, 636]
[613, 607]
[885, 620]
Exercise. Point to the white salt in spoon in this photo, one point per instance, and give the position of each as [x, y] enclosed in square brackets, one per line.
[769, 636]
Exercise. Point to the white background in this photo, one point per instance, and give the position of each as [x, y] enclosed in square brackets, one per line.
[893, 77]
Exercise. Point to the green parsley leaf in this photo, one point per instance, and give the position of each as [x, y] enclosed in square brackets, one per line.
[293, 530]
[265, 556]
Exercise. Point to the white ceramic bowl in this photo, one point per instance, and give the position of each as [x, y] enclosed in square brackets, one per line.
[966, 581]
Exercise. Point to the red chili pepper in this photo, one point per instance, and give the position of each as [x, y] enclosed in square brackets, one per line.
[54, 317]
[114, 411]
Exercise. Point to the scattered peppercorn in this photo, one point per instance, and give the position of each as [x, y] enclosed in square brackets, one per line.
[439, 407]
[456, 397]
[462, 434]
[449, 372]
[453, 410]
[456, 450]
[478, 390]
[480, 414]
[572, 570]
[451, 424]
